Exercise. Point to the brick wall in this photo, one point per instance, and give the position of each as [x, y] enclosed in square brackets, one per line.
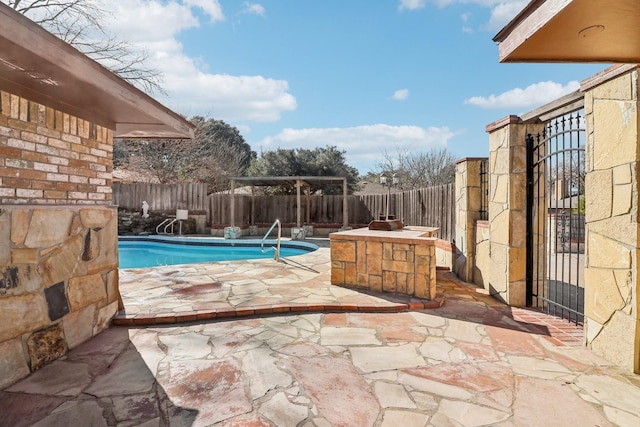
[49, 157]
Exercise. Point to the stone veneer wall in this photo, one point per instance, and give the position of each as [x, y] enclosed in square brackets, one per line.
[482, 254]
[468, 198]
[612, 302]
[58, 263]
[507, 211]
[395, 267]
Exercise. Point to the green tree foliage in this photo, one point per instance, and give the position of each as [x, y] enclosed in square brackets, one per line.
[327, 161]
[216, 136]
[216, 153]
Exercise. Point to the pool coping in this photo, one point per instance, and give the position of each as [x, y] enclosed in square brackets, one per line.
[216, 241]
[153, 319]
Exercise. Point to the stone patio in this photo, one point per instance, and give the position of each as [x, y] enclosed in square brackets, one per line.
[471, 362]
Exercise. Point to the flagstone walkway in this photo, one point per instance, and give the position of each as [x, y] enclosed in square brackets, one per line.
[470, 362]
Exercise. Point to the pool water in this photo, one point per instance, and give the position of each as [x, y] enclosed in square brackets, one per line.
[153, 252]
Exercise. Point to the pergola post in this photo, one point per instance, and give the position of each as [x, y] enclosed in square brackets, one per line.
[308, 221]
[233, 203]
[298, 202]
[253, 205]
[345, 205]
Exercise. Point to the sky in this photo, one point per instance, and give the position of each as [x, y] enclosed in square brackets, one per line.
[371, 77]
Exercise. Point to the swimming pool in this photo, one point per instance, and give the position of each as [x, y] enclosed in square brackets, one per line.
[153, 251]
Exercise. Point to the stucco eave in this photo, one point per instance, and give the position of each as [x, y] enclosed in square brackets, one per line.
[38, 66]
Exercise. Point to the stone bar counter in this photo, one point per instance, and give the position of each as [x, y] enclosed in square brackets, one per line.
[398, 261]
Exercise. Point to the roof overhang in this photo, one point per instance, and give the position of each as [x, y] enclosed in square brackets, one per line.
[573, 31]
[36, 65]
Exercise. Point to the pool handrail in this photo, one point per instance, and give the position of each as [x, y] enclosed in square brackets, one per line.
[163, 223]
[276, 255]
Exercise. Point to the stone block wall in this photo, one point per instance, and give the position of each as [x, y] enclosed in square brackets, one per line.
[468, 198]
[612, 325]
[58, 282]
[49, 157]
[507, 211]
[385, 265]
[482, 259]
[58, 235]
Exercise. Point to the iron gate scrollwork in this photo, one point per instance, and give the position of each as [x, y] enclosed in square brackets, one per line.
[555, 217]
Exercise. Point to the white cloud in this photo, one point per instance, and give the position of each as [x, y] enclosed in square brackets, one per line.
[364, 145]
[230, 98]
[154, 26]
[502, 11]
[253, 8]
[401, 94]
[465, 23]
[532, 96]
[210, 7]
[412, 4]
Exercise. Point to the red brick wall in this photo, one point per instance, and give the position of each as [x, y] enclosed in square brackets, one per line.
[49, 157]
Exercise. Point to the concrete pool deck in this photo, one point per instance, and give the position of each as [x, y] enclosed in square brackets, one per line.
[471, 362]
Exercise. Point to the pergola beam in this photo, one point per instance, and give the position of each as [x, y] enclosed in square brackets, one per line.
[298, 182]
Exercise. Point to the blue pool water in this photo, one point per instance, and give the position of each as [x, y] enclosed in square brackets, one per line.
[139, 252]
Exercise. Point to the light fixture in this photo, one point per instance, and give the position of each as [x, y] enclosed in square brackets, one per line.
[591, 31]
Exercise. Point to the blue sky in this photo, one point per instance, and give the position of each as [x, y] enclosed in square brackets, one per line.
[368, 76]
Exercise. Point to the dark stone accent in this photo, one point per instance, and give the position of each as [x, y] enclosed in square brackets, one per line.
[56, 301]
[386, 225]
[15, 411]
[9, 279]
[46, 345]
[87, 254]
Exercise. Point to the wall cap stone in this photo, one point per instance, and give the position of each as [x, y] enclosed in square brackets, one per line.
[505, 121]
[606, 75]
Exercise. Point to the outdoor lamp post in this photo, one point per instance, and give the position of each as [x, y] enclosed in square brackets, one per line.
[388, 179]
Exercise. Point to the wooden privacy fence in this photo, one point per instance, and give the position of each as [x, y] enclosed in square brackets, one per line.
[433, 206]
[160, 197]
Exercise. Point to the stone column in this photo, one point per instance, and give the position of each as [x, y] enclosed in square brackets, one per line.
[468, 198]
[612, 322]
[507, 209]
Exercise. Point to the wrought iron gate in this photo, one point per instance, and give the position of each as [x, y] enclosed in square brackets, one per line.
[555, 217]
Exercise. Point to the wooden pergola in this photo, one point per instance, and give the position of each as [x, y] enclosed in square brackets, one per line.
[291, 181]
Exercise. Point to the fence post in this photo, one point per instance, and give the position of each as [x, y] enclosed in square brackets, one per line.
[468, 194]
[507, 210]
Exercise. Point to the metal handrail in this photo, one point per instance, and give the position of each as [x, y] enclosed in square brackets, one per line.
[161, 224]
[276, 254]
[170, 225]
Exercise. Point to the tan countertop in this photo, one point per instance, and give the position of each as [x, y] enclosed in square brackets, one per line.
[411, 234]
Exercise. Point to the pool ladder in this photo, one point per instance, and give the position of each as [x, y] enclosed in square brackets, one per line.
[168, 224]
[276, 254]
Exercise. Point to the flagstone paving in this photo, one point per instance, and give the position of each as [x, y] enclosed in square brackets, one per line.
[470, 362]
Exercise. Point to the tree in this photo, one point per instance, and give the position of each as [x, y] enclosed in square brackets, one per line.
[216, 153]
[328, 161]
[79, 23]
[418, 170]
